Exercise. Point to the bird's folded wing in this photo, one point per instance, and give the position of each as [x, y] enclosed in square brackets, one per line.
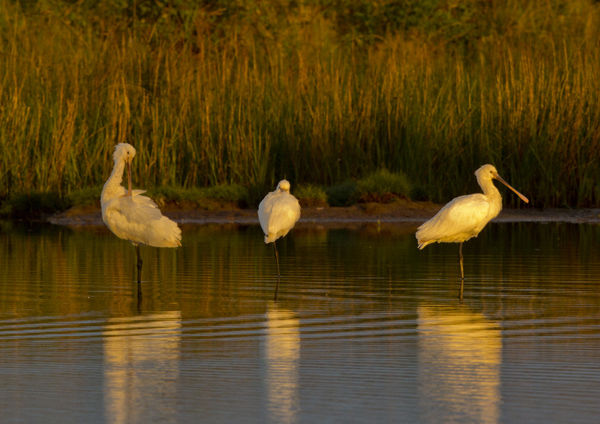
[464, 213]
[264, 211]
[139, 209]
[461, 215]
[282, 219]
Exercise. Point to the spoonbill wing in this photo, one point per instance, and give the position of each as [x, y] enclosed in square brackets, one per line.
[282, 220]
[458, 221]
[137, 219]
[139, 209]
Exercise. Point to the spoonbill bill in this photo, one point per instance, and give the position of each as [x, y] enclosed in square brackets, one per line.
[465, 216]
[278, 213]
[131, 216]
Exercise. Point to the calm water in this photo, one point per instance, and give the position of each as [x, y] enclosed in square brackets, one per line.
[367, 328]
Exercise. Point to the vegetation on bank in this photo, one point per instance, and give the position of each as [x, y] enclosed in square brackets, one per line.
[242, 93]
[381, 186]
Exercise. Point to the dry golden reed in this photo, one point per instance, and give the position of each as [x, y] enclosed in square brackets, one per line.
[269, 98]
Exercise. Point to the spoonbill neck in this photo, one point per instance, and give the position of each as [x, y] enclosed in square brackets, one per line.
[489, 189]
[112, 188]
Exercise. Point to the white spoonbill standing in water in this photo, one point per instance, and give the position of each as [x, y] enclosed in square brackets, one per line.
[278, 213]
[465, 216]
[131, 216]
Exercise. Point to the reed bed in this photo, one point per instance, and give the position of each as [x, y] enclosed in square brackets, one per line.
[283, 92]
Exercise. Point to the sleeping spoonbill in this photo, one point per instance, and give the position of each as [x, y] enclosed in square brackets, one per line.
[278, 213]
[465, 216]
[131, 216]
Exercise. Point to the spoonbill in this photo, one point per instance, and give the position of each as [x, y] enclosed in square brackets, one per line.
[131, 216]
[465, 216]
[278, 213]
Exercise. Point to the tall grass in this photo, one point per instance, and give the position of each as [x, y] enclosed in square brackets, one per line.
[282, 90]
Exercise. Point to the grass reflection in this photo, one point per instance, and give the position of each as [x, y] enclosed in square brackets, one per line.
[223, 269]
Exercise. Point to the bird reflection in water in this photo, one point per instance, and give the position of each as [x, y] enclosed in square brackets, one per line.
[282, 357]
[141, 367]
[461, 352]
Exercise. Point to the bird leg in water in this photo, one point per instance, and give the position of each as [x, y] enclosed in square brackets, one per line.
[460, 256]
[278, 273]
[462, 273]
[277, 259]
[139, 262]
[139, 297]
[277, 289]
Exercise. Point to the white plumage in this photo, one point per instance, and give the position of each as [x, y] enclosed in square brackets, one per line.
[278, 213]
[131, 216]
[464, 217]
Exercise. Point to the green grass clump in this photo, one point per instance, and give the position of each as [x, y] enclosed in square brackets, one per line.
[210, 198]
[419, 194]
[36, 205]
[39, 204]
[84, 197]
[33, 205]
[383, 186]
[310, 195]
[228, 192]
[342, 194]
[164, 194]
